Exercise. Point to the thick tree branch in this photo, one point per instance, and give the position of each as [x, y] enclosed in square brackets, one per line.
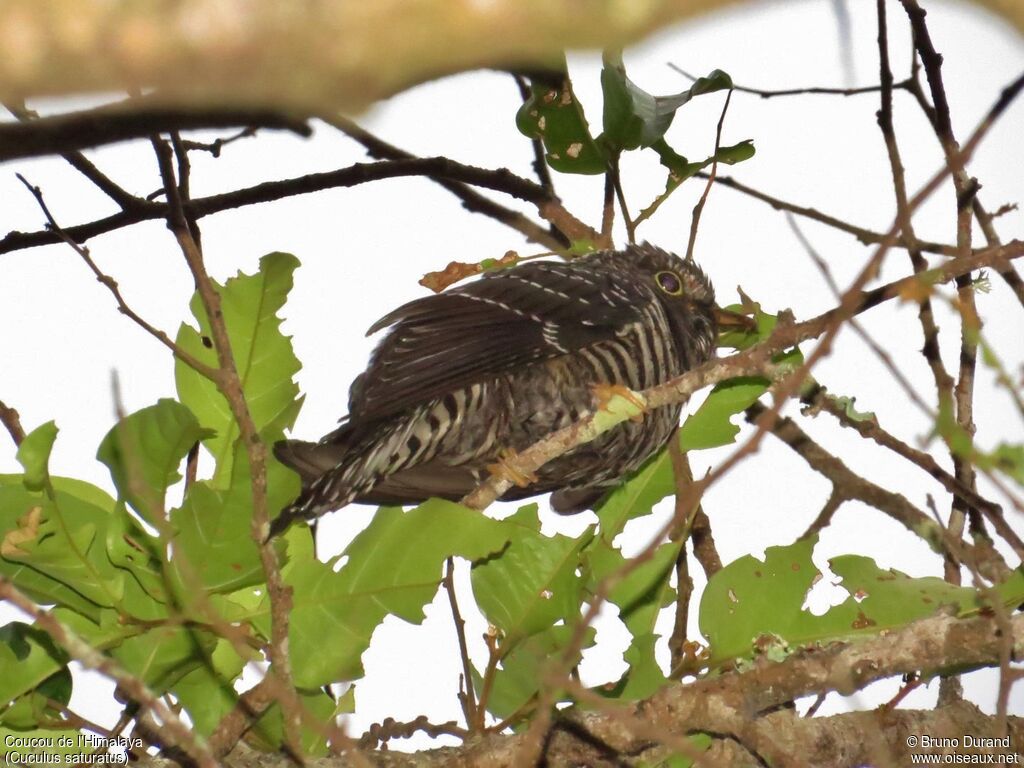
[749, 707]
[346, 54]
[68, 133]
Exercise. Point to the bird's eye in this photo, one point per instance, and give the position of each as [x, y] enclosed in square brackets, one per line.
[670, 283]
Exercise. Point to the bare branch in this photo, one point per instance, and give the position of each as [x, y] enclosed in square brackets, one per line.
[472, 200]
[230, 385]
[110, 284]
[807, 91]
[12, 423]
[699, 207]
[68, 133]
[442, 168]
[865, 236]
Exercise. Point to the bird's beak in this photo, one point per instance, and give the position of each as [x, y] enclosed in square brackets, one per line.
[733, 321]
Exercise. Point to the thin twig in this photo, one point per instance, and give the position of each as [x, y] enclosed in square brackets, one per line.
[865, 236]
[214, 147]
[965, 188]
[886, 359]
[682, 476]
[472, 200]
[124, 199]
[817, 398]
[846, 483]
[12, 423]
[699, 207]
[629, 221]
[111, 285]
[608, 211]
[230, 386]
[136, 689]
[814, 90]
[467, 696]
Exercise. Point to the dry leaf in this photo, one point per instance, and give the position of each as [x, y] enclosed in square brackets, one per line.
[27, 530]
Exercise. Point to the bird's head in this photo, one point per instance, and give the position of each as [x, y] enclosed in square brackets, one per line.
[688, 297]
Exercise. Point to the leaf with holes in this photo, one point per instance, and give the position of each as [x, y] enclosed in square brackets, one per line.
[531, 584]
[263, 356]
[393, 567]
[554, 115]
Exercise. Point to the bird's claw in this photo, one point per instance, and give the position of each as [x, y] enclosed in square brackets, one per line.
[604, 393]
[505, 468]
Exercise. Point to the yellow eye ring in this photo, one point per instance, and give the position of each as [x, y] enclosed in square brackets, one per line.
[670, 283]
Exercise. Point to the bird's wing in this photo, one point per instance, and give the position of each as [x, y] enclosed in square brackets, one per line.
[500, 323]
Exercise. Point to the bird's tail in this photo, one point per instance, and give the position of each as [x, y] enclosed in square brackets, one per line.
[311, 461]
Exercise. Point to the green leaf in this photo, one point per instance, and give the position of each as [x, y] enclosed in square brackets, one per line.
[742, 339]
[393, 567]
[637, 496]
[213, 527]
[143, 452]
[263, 356]
[850, 411]
[533, 583]
[554, 115]
[640, 595]
[62, 538]
[34, 670]
[711, 425]
[680, 169]
[521, 672]
[1008, 459]
[320, 707]
[734, 153]
[34, 455]
[163, 655]
[753, 607]
[207, 693]
[633, 117]
[107, 631]
[645, 676]
[16, 503]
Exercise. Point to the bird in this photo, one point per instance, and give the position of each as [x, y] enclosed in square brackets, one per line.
[466, 378]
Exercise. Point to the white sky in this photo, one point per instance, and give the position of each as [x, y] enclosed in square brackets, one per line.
[364, 248]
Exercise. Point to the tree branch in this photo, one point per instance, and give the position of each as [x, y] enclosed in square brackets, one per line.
[68, 133]
[472, 200]
[500, 180]
[90, 658]
[12, 423]
[750, 707]
[230, 386]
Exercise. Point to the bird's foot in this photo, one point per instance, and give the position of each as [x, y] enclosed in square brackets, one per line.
[605, 393]
[505, 468]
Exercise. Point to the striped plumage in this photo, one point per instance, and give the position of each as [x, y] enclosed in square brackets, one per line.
[496, 365]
